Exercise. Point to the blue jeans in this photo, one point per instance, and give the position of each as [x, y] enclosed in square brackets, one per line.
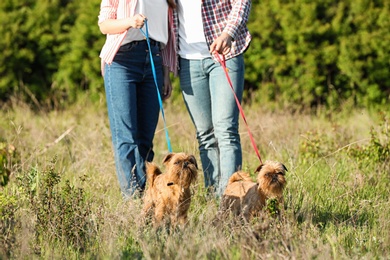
[133, 111]
[214, 112]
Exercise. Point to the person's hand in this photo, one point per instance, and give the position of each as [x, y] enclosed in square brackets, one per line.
[102, 63]
[167, 89]
[222, 44]
[137, 21]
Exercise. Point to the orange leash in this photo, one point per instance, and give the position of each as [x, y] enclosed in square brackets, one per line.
[221, 59]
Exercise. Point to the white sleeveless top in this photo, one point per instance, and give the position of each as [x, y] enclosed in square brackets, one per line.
[157, 13]
[192, 42]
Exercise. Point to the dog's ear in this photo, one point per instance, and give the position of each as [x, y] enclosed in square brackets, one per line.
[258, 169]
[168, 157]
[193, 161]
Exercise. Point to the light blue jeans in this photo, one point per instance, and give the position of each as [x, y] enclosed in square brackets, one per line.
[133, 111]
[214, 112]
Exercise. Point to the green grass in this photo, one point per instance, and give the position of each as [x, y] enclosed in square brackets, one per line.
[63, 201]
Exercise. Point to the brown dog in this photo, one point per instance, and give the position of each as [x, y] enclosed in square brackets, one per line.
[168, 193]
[245, 198]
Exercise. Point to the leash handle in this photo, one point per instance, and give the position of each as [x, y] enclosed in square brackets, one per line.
[146, 34]
[222, 61]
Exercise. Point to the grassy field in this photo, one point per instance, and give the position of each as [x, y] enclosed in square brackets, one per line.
[62, 199]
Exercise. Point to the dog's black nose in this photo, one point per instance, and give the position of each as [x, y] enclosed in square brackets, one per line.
[185, 164]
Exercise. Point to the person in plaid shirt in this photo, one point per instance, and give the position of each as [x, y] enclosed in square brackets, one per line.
[204, 29]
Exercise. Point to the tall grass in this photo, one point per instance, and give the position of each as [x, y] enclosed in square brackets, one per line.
[63, 200]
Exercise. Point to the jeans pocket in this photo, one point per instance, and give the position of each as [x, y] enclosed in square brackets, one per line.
[235, 64]
[156, 50]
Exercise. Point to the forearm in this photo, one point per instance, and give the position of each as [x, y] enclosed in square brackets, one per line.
[238, 16]
[166, 71]
[167, 83]
[115, 26]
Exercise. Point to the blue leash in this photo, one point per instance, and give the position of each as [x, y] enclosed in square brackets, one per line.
[146, 34]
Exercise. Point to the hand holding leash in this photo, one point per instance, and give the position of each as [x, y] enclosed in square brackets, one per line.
[222, 44]
[137, 21]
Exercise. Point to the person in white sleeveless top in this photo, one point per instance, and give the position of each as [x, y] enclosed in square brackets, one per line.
[131, 94]
[206, 28]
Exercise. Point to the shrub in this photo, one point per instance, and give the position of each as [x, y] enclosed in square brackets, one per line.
[378, 148]
[303, 53]
[62, 212]
[310, 53]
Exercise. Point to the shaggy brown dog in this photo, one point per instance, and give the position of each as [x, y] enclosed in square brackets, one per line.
[168, 194]
[245, 198]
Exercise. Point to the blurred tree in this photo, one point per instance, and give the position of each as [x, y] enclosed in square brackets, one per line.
[79, 66]
[303, 53]
[32, 33]
[310, 53]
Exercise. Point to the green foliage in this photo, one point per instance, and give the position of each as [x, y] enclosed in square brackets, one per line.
[378, 149]
[62, 212]
[273, 207]
[316, 144]
[79, 65]
[8, 224]
[33, 33]
[303, 53]
[343, 181]
[132, 250]
[309, 53]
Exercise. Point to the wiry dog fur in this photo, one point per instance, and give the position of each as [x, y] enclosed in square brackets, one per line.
[168, 193]
[246, 198]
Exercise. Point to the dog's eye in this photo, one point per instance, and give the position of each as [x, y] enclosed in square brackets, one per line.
[177, 162]
[267, 175]
[280, 173]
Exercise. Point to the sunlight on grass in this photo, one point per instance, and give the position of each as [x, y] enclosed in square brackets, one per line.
[336, 200]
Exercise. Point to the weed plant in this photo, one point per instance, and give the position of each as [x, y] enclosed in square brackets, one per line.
[61, 212]
[62, 199]
[8, 224]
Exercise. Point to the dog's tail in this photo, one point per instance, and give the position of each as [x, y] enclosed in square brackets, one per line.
[239, 176]
[152, 171]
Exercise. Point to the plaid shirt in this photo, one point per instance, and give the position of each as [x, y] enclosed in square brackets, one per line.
[219, 16]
